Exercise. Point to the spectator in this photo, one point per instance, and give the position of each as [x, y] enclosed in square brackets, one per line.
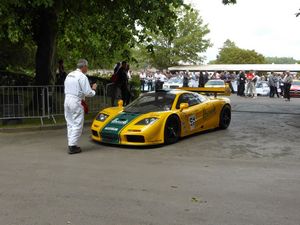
[281, 84]
[122, 82]
[250, 84]
[185, 80]
[276, 84]
[150, 81]
[288, 80]
[115, 90]
[271, 83]
[201, 80]
[61, 76]
[241, 80]
[143, 80]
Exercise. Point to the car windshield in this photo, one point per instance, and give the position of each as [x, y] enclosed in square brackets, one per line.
[296, 82]
[174, 80]
[151, 102]
[215, 82]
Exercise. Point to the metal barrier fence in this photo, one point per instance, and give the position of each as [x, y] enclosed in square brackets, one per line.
[19, 102]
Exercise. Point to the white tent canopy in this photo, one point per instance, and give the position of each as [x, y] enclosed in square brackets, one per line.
[238, 67]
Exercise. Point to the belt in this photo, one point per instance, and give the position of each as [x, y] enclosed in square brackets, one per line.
[73, 96]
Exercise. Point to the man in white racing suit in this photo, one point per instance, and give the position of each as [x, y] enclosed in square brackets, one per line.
[77, 87]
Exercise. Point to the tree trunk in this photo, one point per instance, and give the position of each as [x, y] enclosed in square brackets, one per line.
[45, 32]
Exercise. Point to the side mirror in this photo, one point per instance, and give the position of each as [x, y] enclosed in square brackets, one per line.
[120, 103]
[183, 106]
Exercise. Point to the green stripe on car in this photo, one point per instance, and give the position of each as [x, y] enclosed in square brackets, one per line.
[110, 133]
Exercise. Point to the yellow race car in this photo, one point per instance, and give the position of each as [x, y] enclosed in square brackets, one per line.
[160, 117]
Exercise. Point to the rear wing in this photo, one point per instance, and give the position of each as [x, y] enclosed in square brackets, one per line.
[210, 90]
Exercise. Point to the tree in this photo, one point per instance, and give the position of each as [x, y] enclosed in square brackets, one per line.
[185, 46]
[87, 28]
[226, 2]
[16, 56]
[98, 27]
[281, 60]
[231, 54]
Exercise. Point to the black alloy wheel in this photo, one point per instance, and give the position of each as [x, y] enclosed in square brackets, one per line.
[172, 129]
[225, 117]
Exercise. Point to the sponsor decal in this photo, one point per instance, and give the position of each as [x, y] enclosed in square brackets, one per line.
[111, 132]
[119, 121]
[192, 121]
[111, 128]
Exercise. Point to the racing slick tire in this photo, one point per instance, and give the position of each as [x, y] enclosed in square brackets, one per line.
[225, 117]
[172, 130]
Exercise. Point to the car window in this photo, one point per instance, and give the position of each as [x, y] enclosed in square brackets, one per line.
[265, 85]
[151, 102]
[200, 98]
[215, 82]
[182, 99]
[259, 85]
[190, 98]
[296, 82]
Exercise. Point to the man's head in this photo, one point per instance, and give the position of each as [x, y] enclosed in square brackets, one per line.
[82, 65]
[124, 64]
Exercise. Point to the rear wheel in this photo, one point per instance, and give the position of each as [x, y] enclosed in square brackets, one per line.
[172, 129]
[225, 117]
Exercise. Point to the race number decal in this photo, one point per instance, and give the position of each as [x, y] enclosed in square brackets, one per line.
[192, 121]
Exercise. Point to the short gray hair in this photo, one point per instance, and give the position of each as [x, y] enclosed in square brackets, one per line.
[81, 63]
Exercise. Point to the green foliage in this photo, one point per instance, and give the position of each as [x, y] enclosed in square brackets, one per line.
[97, 30]
[161, 51]
[226, 2]
[101, 31]
[229, 44]
[231, 54]
[281, 60]
[17, 57]
[135, 85]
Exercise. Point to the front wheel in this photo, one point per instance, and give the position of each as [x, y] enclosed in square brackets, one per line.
[225, 117]
[172, 128]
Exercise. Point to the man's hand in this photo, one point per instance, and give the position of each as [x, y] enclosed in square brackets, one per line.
[94, 86]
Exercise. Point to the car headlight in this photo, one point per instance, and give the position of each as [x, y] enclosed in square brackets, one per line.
[147, 121]
[102, 117]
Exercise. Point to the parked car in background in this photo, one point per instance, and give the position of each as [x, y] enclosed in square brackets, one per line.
[215, 83]
[262, 88]
[173, 83]
[295, 89]
[176, 82]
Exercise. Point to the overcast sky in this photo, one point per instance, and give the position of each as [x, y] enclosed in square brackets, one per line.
[269, 27]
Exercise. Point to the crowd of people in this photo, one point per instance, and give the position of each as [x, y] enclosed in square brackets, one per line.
[246, 81]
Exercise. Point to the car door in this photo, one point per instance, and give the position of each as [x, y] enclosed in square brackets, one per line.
[192, 117]
[205, 112]
[209, 115]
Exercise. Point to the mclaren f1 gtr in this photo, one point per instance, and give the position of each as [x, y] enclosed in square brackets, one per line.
[160, 117]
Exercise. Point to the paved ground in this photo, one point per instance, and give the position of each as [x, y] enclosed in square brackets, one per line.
[245, 175]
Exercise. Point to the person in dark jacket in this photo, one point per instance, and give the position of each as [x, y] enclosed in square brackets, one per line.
[114, 90]
[241, 83]
[122, 83]
[201, 80]
[185, 80]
